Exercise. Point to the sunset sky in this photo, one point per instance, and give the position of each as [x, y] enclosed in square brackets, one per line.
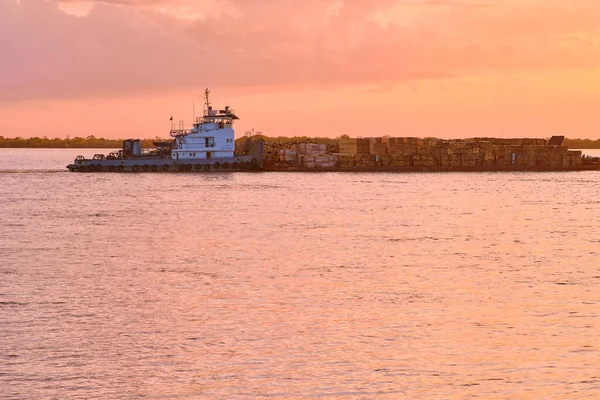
[443, 68]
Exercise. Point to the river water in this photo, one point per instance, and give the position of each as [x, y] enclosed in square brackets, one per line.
[296, 286]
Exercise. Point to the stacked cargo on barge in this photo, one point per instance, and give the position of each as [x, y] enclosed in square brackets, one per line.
[208, 146]
[415, 154]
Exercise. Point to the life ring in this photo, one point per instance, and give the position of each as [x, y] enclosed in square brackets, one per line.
[188, 167]
[165, 168]
[145, 167]
[135, 168]
[153, 168]
[207, 167]
[217, 165]
[225, 165]
[111, 168]
[198, 167]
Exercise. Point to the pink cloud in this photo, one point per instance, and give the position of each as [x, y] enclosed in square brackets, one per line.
[132, 46]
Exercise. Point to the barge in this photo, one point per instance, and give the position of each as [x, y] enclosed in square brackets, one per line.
[208, 146]
[409, 154]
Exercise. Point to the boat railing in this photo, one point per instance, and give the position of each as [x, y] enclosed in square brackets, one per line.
[178, 132]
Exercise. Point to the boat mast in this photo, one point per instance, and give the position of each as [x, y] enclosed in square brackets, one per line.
[207, 100]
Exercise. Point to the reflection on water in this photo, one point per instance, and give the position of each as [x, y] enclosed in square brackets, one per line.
[274, 285]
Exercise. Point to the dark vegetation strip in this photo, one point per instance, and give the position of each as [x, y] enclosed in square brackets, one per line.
[102, 143]
[92, 142]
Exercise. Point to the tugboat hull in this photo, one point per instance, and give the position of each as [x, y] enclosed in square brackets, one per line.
[235, 164]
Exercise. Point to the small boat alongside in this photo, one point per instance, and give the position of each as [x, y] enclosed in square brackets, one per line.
[208, 146]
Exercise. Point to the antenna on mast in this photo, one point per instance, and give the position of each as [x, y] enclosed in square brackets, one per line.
[206, 98]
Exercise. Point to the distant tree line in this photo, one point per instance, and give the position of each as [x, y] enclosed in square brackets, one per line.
[582, 143]
[76, 143]
[294, 139]
[102, 143]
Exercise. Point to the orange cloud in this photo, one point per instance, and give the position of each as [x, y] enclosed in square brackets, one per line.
[131, 48]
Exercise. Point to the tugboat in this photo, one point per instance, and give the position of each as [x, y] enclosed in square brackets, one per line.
[208, 146]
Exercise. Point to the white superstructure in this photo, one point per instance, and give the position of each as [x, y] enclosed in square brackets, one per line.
[210, 137]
